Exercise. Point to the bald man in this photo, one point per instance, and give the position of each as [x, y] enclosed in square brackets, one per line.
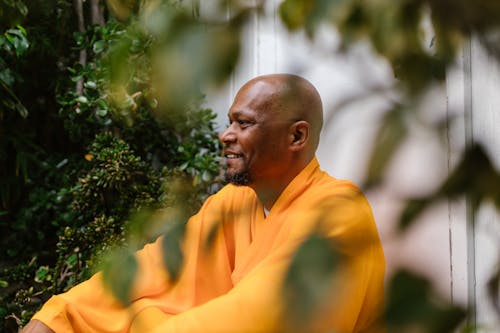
[276, 199]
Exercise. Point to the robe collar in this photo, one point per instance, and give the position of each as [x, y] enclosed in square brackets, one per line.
[296, 187]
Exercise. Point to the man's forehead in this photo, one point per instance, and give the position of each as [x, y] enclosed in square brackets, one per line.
[253, 103]
[244, 112]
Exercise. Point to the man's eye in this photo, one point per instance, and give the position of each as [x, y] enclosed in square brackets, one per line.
[244, 122]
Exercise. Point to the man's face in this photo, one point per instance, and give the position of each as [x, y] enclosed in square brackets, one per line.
[255, 143]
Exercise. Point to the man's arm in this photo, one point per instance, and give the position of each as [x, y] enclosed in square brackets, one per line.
[90, 306]
[36, 326]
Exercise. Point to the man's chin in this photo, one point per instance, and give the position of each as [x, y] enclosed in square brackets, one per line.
[237, 178]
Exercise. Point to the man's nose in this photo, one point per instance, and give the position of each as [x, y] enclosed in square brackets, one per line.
[227, 135]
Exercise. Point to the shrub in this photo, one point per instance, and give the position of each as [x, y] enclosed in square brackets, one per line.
[122, 159]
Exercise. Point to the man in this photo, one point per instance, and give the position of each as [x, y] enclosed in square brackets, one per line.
[277, 199]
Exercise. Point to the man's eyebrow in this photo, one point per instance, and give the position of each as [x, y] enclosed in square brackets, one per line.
[234, 114]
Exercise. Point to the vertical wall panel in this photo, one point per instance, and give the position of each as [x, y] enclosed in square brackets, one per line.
[457, 88]
[486, 130]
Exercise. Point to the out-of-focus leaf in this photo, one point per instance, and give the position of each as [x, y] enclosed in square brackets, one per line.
[391, 133]
[475, 176]
[182, 73]
[494, 290]
[418, 70]
[413, 209]
[7, 76]
[187, 56]
[468, 16]
[118, 273]
[309, 277]
[294, 13]
[123, 9]
[171, 246]
[212, 234]
[297, 14]
[12, 12]
[413, 304]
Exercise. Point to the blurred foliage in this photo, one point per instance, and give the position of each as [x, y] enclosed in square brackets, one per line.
[12, 13]
[178, 41]
[413, 306]
[309, 277]
[121, 140]
[475, 176]
[397, 30]
[75, 163]
[420, 40]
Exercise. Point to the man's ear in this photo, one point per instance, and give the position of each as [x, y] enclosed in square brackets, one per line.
[299, 135]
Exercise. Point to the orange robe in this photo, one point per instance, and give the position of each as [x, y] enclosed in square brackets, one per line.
[235, 285]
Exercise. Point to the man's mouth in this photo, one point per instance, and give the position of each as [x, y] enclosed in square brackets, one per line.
[231, 155]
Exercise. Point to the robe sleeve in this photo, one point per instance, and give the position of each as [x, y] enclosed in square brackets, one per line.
[256, 303]
[90, 307]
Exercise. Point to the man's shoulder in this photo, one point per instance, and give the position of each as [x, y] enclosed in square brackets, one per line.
[335, 195]
[328, 185]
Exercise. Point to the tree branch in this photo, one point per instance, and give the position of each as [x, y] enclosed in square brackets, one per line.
[96, 12]
[83, 52]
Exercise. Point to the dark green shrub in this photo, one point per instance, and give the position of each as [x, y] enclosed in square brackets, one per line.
[119, 159]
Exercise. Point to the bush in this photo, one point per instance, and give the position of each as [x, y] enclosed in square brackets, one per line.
[121, 159]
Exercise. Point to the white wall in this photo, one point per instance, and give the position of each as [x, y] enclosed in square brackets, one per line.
[483, 78]
[441, 245]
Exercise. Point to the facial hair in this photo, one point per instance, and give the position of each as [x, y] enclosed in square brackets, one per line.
[238, 178]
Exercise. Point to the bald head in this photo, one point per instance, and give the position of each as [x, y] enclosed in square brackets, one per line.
[290, 97]
[274, 126]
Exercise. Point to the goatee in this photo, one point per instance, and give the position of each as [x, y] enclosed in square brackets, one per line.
[239, 178]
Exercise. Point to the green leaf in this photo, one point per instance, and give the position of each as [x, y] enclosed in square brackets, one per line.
[123, 9]
[309, 277]
[42, 274]
[391, 133]
[294, 13]
[171, 246]
[412, 210]
[7, 76]
[494, 290]
[82, 99]
[102, 112]
[475, 176]
[18, 40]
[99, 46]
[412, 303]
[120, 269]
[90, 85]
[72, 259]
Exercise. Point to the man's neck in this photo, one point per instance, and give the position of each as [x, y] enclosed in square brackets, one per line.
[268, 191]
[268, 196]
